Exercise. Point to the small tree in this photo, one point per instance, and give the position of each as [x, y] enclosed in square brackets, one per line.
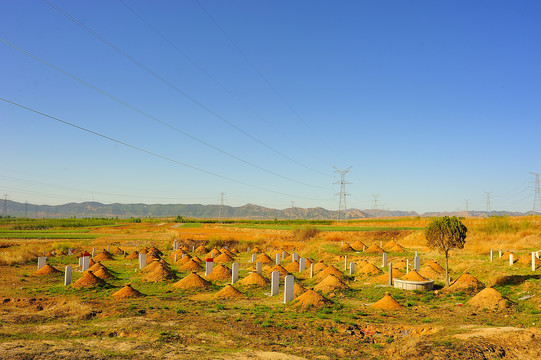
[444, 234]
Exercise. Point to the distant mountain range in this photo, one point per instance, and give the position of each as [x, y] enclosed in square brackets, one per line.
[248, 211]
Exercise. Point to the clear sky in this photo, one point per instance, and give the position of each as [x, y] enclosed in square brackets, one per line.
[432, 103]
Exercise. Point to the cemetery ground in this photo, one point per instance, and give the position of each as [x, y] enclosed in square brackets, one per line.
[42, 318]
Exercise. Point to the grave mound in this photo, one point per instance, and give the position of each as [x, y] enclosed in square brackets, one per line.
[133, 255]
[228, 292]
[47, 270]
[311, 298]
[143, 250]
[466, 283]
[88, 280]
[151, 258]
[437, 267]
[213, 253]
[413, 276]
[103, 273]
[226, 251]
[358, 245]
[201, 250]
[160, 273]
[329, 284]
[429, 272]
[384, 278]
[298, 289]
[397, 248]
[103, 256]
[154, 251]
[375, 249]
[192, 281]
[292, 267]
[329, 270]
[234, 251]
[254, 279]
[370, 269]
[346, 248]
[387, 303]
[223, 258]
[489, 298]
[319, 266]
[389, 245]
[153, 265]
[506, 255]
[527, 260]
[91, 262]
[220, 272]
[96, 267]
[178, 253]
[400, 264]
[264, 259]
[361, 263]
[255, 250]
[127, 292]
[191, 265]
[184, 259]
[118, 251]
[307, 263]
[197, 260]
[279, 268]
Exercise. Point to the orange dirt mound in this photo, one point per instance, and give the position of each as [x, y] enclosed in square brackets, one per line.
[346, 248]
[401, 264]
[292, 267]
[192, 281]
[201, 250]
[329, 270]
[127, 292]
[118, 251]
[387, 303]
[96, 267]
[88, 280]
[358, 245]
[375, 249]
[133, 255]
[154, 251]
[254, 279]
[264, 259]
[220, 272]
[102, 256]
[151, 258]
[279, 268]
[397, 248]
[298, 289]
[307, 263]
[226, 251]
[223, 258]
[437, 267]
[506, 255]
[467, 283]
[429, 272]
[153, 265]
[319, 266]
[527, 260]
[311, 298]
[197, 260]
[103, 273]
[489, 298]
[143, 251]
[183, 259]
[329, 284]
[228, 292]
[255, 250]
[370, 269]
[160, 273]
[213, 253]
[191, 265]
[47, 270]
[413, 276]
[389, 245]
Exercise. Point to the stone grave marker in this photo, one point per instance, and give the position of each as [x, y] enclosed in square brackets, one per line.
[417, 263]
[500, 252]
[176, 258]
[283, 254]
[351, 268]
[390, 274]
[93, 252]
[384, 260]
[277, 259]
[234, 272]
[302, 264]
[289, 288]
[81, 262]
[258, 267]
[275, 282]
[311, 270]
[364, 246]
[491, 255]
[248, 249]
[209, 264]
[345, 262]
[108, 248]
[67, 275]
[142, 260]
[193, 248]
[407, 266]
[254, 256]
[533, 261]
[86, 262]
[295, 257]
[510, 259]
[42, 261]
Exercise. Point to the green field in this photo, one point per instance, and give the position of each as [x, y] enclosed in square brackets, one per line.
[325, 228]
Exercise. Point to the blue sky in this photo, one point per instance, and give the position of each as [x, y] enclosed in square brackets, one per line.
[431, 103]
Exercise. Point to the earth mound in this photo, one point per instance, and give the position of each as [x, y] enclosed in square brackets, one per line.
[47, 270]
[201, 250]
[191, 265]
[255, 250]
[429, 272]
[118, 251]
[127, 292]
[220, 272]
[192, 281]
[254, 279]
[103, 256]
[375, 249]
[466, 283]
[88, 280]
[397, 248]
[346, 248]
[330, 284]
[228, 292]
[264, 259]
[311, 298]
[358, 245]
[298, 289]
[223, 258]
[213, 253]
[319, 266]
[387, 303]
[279, 268]
[183, 259]
[103, 273]
[160, 273]
[437, 267]
[133, 255]
[389, 245]
[292, 267]
[370, 269]
[489, 298]
[329, 270]
[413, 276]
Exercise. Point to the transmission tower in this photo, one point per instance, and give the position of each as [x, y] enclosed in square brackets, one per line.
[5, 210]
[342, 207]
[537, 193]
[375, 203]
[488, 200]
[221, 213]
[26, 209]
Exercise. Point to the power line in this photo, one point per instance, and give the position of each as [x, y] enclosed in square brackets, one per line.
[256, 69]
[171, 85]
[149, 152]
[375, 203]
[221, 213]
[537, 192]
[488, 200]
[342, 207]
[172, 127]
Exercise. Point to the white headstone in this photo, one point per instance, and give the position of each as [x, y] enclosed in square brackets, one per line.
[510, 259]
[176, 258]
[380, 243]
[183, 256]
[407, 266]
[491, 255]
[193, 248]
[533, 261]
[295, 257]
[275, 282]
[345, 262]
[258, 267]
[302, 264]
[254, 256]
[289, 284]
[142, 260]
[390, 274]
[93, 252]
[351, 268]
[234, 272]
[67, 275]
[209, 265]
[364, 247]
[42, 261]
[384, 260]
[417, 263]
[500, 252]
[283, 254]
[81, 262]
[108, 248]
[248, 249]
[277, 258]
[86, 262]
[311, 270]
